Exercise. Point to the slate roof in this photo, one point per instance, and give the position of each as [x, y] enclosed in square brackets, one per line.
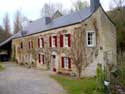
[41, 26]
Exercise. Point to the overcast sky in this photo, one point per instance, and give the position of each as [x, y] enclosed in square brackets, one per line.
[31, 8]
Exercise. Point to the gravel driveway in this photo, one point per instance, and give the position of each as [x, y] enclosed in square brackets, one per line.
[19, 80]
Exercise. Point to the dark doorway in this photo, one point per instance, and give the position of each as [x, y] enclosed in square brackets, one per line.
[7, 49]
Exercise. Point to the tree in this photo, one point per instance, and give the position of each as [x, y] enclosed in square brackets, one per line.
[18, 22]
[6, 23]
[78, 51]
[78, 5]
[49, 9]
[2, 34]
[117, 15]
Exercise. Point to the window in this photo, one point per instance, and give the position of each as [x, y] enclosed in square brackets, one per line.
[54, 41]
[40, 42]
[41, 58]
[67, 40]
[30, 44]
[90, 38]
[66, 62]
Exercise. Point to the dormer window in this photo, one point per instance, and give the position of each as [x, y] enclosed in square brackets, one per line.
[90, 38]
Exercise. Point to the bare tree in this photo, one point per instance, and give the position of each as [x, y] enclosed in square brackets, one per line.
[78, 5]
[6, 23]
[18, 22]
[78, 51]
[47, 57]
[2, 33]
[50, 9]
[118, 3]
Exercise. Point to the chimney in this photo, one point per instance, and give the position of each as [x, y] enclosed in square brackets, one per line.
[48, 20]
[94, 4]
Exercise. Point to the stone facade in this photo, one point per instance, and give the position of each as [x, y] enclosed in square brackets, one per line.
[105, 43]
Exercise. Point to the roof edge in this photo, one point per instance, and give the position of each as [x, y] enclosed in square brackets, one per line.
[107, 15]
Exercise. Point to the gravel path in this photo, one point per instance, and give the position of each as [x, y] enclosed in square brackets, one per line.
[19, 80]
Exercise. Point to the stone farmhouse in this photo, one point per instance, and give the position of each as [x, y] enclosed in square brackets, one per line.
[50, 43]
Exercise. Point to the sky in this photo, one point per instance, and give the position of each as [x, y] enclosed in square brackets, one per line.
[31, 8]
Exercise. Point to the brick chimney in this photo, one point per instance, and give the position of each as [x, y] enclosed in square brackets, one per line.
[94, 4]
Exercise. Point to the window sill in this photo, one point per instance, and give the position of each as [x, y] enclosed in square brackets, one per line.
[91, 46]
[66, 47]
[53, 47]
[65, 69]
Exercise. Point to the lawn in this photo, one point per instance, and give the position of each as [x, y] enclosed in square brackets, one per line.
[77, 86]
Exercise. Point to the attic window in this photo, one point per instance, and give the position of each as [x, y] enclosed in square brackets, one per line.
[90, 38]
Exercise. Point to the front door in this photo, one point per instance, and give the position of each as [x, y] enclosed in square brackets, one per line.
[54, 63]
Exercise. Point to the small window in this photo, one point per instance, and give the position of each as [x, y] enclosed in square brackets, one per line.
[54, 41]
[90, 38]
[40, 42]
[67, 40]
[66, 62]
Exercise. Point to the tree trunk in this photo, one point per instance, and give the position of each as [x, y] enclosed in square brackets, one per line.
[79, 73]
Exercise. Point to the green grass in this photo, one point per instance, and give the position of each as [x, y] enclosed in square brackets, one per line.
[122, 76]
[1, 67]
[77, 86]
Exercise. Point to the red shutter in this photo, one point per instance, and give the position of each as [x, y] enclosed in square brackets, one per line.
[42, 42]
[43, 59]
[32, 44]
[69, 40]
[61, 40]
[29, 44]
[38, 42]
[56, 41]
[62, 62]
[69, 63]
[50, 41]
[39, 58]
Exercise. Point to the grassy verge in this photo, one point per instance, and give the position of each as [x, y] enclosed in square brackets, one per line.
[79, 86]
[122, 76]
[1, 67]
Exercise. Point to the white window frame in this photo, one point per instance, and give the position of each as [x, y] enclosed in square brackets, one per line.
[66, 63]
[93, 39]
[53, 41]
[40, 42]
[65, 40]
